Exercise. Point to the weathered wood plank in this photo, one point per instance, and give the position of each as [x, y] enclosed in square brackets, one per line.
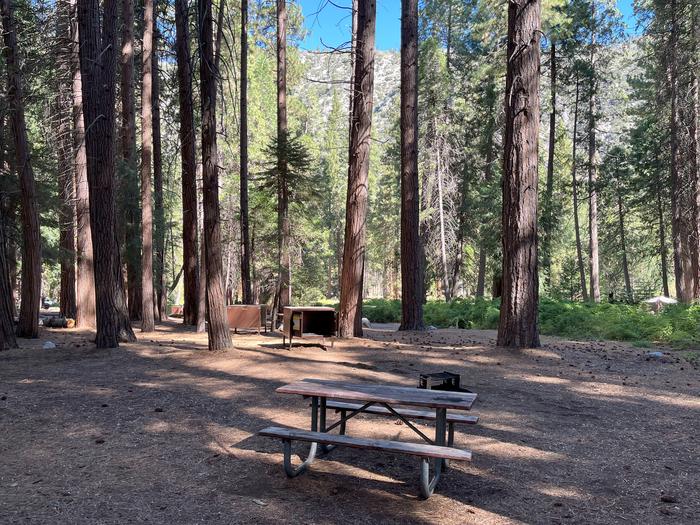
[309, 309]
[397, 447]
[391, 394]
[406, 412]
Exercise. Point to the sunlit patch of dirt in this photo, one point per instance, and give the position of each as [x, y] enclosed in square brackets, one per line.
[162, 431]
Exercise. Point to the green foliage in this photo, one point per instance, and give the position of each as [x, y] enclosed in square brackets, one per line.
[675, 325]
[296, 179]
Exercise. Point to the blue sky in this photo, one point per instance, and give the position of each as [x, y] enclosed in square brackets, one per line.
[332, 25]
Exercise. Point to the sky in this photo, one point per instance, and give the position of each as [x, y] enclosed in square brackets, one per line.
[331, 26]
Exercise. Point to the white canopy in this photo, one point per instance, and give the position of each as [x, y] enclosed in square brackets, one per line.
[661, 299]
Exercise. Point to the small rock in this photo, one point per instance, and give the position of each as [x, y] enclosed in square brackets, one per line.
[260, 502]
[667, 498]
[48, 345]
[158, 410]
[655, 355]
[104, 405]
[99, 441]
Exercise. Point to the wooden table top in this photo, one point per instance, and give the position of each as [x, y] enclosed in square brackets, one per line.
[390, 394]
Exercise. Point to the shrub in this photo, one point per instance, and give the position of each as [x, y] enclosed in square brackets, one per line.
[677, 325]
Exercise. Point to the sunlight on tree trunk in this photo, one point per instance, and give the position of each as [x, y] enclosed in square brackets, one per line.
[351, 282]
[518, 325]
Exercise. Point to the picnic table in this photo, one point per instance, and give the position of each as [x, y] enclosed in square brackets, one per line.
[351, 399]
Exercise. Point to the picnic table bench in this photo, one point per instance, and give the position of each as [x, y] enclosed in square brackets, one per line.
[351, 399]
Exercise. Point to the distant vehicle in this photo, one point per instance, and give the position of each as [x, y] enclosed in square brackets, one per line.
[48, 303]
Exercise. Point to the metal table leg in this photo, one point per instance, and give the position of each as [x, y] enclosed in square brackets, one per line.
[322, 424]
[427, 485]
[291, 470]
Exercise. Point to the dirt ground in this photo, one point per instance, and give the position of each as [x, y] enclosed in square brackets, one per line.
[162, 431]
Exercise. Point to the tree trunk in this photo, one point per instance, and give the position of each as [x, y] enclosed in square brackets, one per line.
[663, 249]
[574, 190]
[548, 215]
[31, 240]
[85, 278]
[518, 325]
[147, 320]
[623, 246]
[351, 101]
[161, 292]
[441, 213]
[217, 328]
[7, 324]
[593, 176]
[481, 272]
[66, 218]
[61, 121]
[127, 153]
[448, 39]
[98, 67]
[202, 286]
[351, 282]
[694, 153]
[681, 264]
[283, 286]
[411, 286]
[245, 231]
[189, 165]
[456, 283]
[488, 175]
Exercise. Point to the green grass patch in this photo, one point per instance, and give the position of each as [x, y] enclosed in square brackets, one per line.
[675, 325]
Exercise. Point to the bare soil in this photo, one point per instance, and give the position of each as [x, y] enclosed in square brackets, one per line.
[162, 431]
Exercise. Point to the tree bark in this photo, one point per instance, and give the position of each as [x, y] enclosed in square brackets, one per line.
[161, 292]
[663, 248]
[147, 320]
[681, 264]
[28, 325]
[488, 175]
[351, 282]
[189, 165]
[441, 213]
[623, 246]
[593, 174]
[245, 230]
[548, 215]
[481, 270]
[7, 324]
[66, 188]
[283, 225]
[85, 279]
[411, 274]
[518, 325]
[98, 67]
[202, 286]
[61, 121]
[694, 154]
[127, 152]
[574, 190]
[217, 328]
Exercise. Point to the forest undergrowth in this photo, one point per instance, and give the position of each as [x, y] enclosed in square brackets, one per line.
[676, 325]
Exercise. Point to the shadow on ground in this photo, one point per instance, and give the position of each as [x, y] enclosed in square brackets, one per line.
[163, 431]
